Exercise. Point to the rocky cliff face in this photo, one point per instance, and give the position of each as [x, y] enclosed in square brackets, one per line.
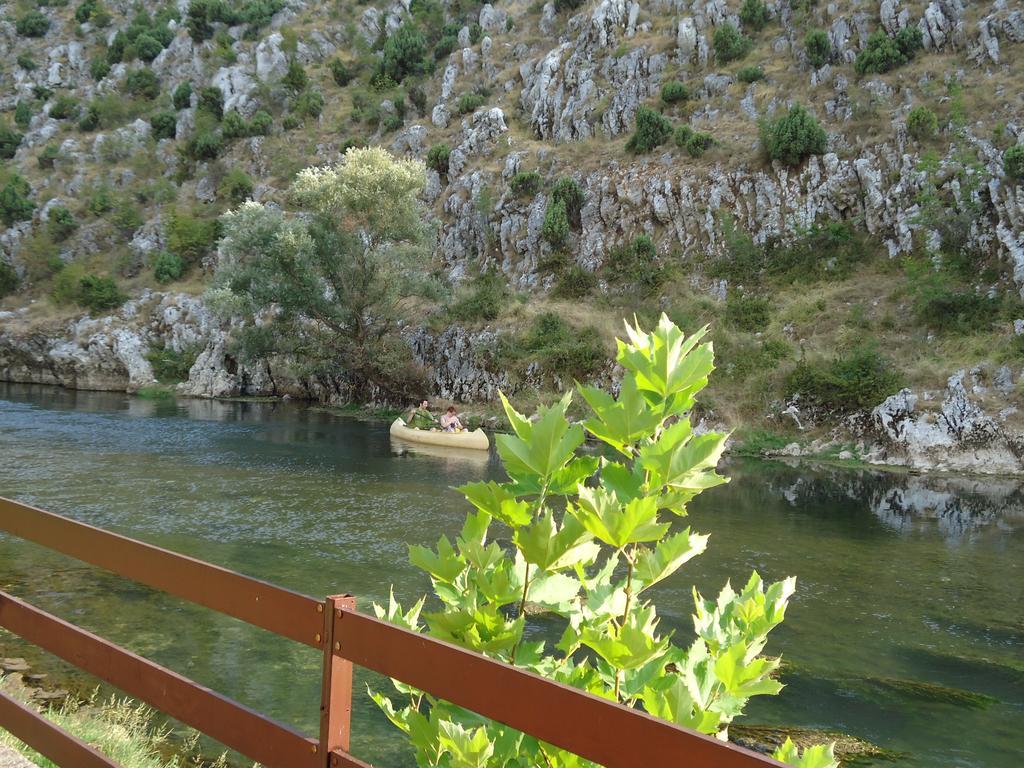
[553, 92]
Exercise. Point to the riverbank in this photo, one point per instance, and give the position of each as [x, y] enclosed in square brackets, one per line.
[125, 731]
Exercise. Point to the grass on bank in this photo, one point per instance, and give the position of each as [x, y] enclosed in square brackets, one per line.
[123, 730]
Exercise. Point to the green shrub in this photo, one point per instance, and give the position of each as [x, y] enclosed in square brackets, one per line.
[567, 5]
[60, 224]
[234, 126]
[746, 312]
[560, 349]
[170, 367]
[142, 83]
[164, 125]
[555, 228]
[674, 91]
[48, 157]
[22, 115]
[830, 251]
[794, 136]
[818, 48]
[190, 237]
[880, 54]
[484, 302]
[98, 69]
[204, 146]
[261, 123]
[10, 140]
[32, 24]
[404, 52]
[682, 135]
[943, 306]
[698, 143]
[437, 157]
[236, 186]
[41, 92]
[64, 107]
[525, 184]
[9, 280]
[922, 123]
[754, 15]
[26, 62]
[290, 122]
[340, 72]
[85, 10]
[469, 102]
[652, 130]
[859, 379]
[125, 216]
[750, 74]
[569, 191]
[910, 40]
[182, 97]
[15, 204]
[100, 200]
[99, 294]
[445, 46]
[636, 265]
[730, 44]
[1013, 162]
[102, 17]
[90, 119]
[167, 267]
[295, 79]
[311, 104]
[575, 283]
[200, 18]
[211, 101]
[147, 47]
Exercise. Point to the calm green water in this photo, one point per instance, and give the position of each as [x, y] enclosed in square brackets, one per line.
[899, 577]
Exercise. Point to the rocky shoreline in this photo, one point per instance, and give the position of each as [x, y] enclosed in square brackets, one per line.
[972, 427]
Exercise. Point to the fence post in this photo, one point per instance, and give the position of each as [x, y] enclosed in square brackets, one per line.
[336, 692]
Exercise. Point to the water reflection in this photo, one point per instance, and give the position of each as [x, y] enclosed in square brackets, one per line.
[957, 507]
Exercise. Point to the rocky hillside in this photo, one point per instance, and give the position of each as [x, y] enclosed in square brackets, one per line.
[838, 188]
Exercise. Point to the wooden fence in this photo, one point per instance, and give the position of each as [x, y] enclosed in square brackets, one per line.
[605, 732]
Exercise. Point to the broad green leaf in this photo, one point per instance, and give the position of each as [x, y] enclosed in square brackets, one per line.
[555, 590]
[541, 448]
[625, 482]
[444, 565]
[468, 749]
[545, 545]
[484, 629]
[666, 362]
[743, 676]
[500, 585]
[631, 646]
[653, 565]
[679, 460]
[620, 423]
[618, 524]
[496, 500]
[670, 698]
[409, 619]
[820, 756]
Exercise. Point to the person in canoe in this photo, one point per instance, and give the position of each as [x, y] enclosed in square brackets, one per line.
[420, 417]
[450, 420]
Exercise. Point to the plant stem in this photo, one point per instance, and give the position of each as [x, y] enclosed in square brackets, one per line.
[526, 577]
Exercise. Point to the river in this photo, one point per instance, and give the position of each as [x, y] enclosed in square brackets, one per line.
[901, 579]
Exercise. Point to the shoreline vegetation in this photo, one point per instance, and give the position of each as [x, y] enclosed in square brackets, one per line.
[124, 730]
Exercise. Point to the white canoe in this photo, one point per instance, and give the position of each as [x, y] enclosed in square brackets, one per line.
[476, 439]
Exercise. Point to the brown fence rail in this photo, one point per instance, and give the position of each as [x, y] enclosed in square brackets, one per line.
[605, 732]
